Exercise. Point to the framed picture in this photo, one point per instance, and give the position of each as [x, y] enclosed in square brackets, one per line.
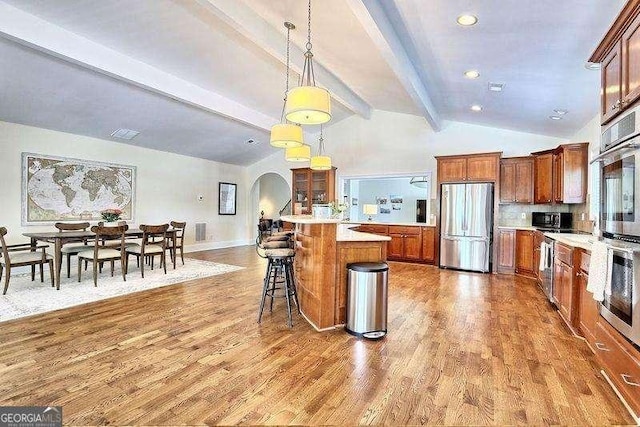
[226, 198]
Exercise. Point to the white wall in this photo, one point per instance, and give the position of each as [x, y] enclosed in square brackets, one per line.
[395, 143]
[167, 184]
[591, 133]
[370, 189]
[274, 194]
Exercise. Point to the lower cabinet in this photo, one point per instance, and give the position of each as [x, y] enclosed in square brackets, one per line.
[408, 243]
[506, 251]
[429, 244]
[563, 288]
[620, 361]
[525, 244]
[405, 244]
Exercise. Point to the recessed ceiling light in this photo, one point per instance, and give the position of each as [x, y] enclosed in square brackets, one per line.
[476, 107]
[472, 74]
[467, 20]
[555, 117]
[252, 142]
[592, 66]
[560, 112]
[496, 87]
[127, 134]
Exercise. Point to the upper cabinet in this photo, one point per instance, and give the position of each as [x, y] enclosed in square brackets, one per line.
[619, 56]
[472, 167]
[310, 187]
[516, 180]
[560, 175]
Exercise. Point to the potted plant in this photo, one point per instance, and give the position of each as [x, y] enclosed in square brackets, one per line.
[111, 217]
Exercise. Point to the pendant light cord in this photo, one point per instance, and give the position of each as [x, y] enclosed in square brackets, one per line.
[321, 143]
[307, 69]
[286, 91]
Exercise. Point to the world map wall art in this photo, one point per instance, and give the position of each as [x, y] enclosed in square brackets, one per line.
[63, 189]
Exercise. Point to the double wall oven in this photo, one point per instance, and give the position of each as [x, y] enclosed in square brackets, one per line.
[620, 222]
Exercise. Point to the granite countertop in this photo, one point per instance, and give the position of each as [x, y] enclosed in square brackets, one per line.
[308, 219]
[409, 224]
[517, 227]
[345, 234]
[575, 240]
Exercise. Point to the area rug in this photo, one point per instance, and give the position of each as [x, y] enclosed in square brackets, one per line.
[25, 298]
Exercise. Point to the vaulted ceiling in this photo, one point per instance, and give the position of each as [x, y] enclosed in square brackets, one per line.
[201, 77]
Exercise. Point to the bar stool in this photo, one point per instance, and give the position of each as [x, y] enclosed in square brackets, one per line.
[279, 275]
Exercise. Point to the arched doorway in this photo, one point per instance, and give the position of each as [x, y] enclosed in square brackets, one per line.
[270, 194]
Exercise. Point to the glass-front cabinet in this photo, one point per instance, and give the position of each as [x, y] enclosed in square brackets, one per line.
[311, 187]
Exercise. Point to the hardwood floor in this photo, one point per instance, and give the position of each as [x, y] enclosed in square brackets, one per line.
[461, 349]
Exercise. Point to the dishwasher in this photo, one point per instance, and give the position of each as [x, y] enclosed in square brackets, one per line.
[546, 249]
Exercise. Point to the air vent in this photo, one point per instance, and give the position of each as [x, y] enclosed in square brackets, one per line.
[127, 134]
[496, 87]
[201, 232]
[618, 132]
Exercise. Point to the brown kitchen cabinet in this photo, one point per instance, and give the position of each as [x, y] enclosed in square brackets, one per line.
[473, 167]
[516, 180]
[619, 57]
[538, 238]
[588, 314]
[405, 244]
[429, 244]
[570, 173]
[311, 187]
[506, 251]
[620, 360]
[563, 282]
[543, 178]
[560, 175]
[525, 243]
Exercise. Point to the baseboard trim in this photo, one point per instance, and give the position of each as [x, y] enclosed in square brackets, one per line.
[330, 328]
[206, 246]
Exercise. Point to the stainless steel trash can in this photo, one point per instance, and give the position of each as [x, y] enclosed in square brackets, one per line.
[367, 291]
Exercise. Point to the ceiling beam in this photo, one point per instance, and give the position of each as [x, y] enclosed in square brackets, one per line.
[256, 29]
[376, 23]
[31, 31]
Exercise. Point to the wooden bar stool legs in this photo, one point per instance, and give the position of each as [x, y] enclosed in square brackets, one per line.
[279, 275]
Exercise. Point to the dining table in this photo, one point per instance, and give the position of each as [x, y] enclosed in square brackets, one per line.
[60, 238]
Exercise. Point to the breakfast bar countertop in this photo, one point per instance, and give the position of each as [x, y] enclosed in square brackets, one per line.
[345, 234]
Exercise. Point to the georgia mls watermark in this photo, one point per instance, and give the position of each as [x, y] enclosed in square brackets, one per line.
[30, 416]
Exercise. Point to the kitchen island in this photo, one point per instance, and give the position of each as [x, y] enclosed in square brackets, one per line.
[324, 247]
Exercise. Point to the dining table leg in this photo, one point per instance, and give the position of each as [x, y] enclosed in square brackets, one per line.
[57, 259]
[34, 243]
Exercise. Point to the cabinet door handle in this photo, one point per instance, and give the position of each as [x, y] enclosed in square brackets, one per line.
[601, 347]
[624, 378]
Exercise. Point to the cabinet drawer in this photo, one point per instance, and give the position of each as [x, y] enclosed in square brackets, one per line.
[402, 229]
[563, 253]
[585, 259]
[622, 368]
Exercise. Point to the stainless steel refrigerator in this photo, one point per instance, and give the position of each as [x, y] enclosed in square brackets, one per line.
[466, 223]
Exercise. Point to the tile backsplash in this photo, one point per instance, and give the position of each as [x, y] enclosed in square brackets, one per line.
[511, 215]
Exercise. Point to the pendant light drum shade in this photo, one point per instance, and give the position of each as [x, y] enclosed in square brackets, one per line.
[308, 105]
[321, 163]
[298, 154]
[285, 135]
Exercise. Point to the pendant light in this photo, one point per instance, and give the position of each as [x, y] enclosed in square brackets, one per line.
[298, 154]
[286, 134]
[308, 104]
[321, 162]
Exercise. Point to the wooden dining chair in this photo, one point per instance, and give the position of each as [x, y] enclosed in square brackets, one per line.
[154, 242]
[179, 236]
[100, 254]
[28, 256]
[72, 249]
